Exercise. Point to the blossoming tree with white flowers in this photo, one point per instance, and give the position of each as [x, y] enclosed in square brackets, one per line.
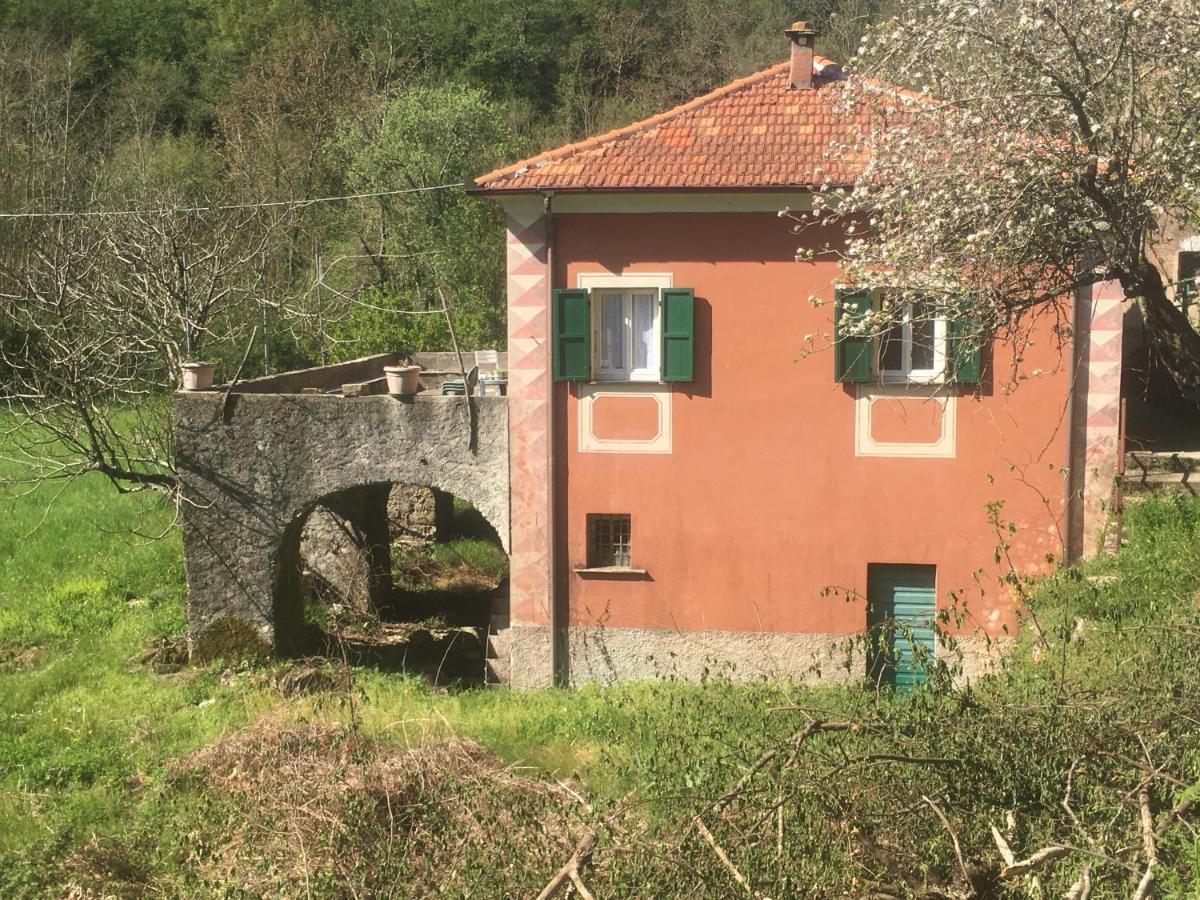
[1043, 146]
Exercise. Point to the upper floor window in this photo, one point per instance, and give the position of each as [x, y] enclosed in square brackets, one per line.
[627, 336]
[615, 332]
[914, 348]
[919, 345]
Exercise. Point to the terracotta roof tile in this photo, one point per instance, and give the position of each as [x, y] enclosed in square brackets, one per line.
[753, 133]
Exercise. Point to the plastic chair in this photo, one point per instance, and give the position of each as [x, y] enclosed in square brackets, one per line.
[455, 387]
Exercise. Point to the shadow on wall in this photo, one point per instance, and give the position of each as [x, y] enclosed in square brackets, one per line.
[688, 237]
[702, 322]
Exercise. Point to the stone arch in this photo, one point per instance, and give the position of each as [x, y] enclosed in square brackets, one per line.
[362, 508]
[253, 466]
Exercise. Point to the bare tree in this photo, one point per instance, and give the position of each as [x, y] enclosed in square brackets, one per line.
[107, 307]
[125, 263]
[847, 22]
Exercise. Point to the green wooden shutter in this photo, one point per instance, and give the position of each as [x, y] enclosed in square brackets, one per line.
[678, 334]
[964, 341]
[571, 323]
[902, 609]
[851, 354]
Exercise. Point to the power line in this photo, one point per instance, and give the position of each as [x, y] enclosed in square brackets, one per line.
[80, 214]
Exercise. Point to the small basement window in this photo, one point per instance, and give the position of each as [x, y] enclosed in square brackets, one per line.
[609, 541]
[914, 349]
[626, 326]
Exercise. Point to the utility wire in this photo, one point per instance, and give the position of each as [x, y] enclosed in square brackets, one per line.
[80, 214]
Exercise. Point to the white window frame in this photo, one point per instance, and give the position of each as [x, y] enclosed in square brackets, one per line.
[628, 372]
[906, 373]
[627, 284]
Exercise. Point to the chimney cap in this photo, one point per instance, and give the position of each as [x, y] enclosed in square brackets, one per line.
[799, 28]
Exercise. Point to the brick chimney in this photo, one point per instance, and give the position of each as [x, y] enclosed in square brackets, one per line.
[803, 38]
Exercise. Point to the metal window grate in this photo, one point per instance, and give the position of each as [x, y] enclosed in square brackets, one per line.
[608, 541]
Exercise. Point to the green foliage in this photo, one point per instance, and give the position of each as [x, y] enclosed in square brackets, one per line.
[73, 607]
[434, 244]
[1158, 566]
[1161, 561]
[145, 168]
[204, 102]
[482, 557]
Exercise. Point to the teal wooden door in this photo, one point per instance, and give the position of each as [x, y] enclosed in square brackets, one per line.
[901, 606]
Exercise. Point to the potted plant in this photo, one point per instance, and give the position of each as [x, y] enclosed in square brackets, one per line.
[402, 380]
[198, 376]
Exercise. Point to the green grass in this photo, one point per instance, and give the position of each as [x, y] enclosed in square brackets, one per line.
[79, 597]
[466, 563]
[91, 743]
[86, 735]
[478, 555]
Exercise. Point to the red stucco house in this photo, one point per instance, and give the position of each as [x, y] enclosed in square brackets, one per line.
[687, 493]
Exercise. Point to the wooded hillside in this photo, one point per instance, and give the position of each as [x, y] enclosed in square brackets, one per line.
[147, 104]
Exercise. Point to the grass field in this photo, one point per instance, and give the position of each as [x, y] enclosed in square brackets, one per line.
[86, 733]
[117, 780]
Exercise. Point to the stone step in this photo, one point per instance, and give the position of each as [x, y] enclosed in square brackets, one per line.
[1148, 482]
[499, 644]
[498, 656]
[1146, 462]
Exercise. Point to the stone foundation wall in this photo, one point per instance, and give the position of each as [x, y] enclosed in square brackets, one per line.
[609, 655]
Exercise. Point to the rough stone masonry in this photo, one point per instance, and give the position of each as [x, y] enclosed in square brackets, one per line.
[253, 466]
[345, 550]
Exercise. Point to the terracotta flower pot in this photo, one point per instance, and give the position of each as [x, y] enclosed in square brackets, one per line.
[198, 376]
[402, 380]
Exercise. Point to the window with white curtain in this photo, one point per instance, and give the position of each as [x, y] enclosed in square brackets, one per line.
[626, 327]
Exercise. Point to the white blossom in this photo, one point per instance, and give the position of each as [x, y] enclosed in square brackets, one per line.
[1034, 152]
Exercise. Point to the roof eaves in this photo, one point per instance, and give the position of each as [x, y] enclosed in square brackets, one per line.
[550, 190]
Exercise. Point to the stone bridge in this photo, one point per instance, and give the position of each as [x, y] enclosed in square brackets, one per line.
[254, 461]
